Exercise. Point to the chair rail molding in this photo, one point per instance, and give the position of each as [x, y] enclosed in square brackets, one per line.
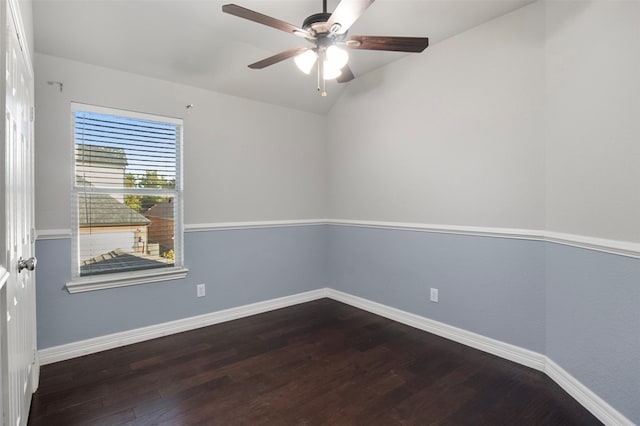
[618, 247]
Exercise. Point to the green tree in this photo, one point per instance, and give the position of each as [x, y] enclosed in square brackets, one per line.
[129, 180]
[152, 179]
[132, 201]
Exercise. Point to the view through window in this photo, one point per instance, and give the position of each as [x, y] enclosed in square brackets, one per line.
[126, 191]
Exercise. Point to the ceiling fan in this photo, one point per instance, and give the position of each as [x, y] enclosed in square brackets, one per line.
[328, 33]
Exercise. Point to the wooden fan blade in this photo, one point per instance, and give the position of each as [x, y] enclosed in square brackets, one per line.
[241, 12]
[279, 57]
[347, 75]
[347, 12]
[395, 44]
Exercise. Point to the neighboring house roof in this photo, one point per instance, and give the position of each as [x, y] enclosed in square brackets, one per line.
[119, 261]
[104, 210]
[162, 210]
[91, 155]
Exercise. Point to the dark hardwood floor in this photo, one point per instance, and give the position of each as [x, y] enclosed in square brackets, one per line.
[321, 362]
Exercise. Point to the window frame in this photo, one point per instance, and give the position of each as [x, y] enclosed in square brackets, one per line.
[80, 283]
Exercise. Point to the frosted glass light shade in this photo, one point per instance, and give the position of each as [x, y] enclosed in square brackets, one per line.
[331, 71]
[337, 56]
[306, 60]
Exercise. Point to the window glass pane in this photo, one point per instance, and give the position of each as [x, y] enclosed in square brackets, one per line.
[114, 237]
[108, 148]
[125, 193]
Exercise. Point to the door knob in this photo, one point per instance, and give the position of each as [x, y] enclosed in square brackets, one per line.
[29, 264]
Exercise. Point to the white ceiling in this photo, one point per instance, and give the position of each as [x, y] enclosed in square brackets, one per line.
[192, 42]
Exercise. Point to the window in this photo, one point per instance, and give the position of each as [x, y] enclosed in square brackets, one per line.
[126, 198]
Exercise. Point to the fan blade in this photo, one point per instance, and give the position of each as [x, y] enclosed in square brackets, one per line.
[279, 57]
[395, 44]
[241, 12]
[347, 12]
[347, 75]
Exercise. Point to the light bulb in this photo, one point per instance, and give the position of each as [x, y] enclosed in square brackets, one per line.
[306, 60]
[337, 56]
[331, 71]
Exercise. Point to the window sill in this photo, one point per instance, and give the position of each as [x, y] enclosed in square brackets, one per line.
[102, 282]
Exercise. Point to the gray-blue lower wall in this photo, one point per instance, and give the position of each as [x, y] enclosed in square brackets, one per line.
[491, 286]
[239, 267]
[593, 322]
[579, 307]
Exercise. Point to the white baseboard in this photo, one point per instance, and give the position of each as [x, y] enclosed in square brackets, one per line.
[115, 340]
[592, 402]
[503, 350]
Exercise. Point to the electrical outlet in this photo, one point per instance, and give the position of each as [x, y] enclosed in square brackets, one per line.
[434, 295]
[200, 290]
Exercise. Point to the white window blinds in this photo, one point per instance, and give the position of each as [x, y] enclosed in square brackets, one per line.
[126, 192]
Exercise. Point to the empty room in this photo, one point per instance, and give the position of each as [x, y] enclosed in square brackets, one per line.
[320, 212]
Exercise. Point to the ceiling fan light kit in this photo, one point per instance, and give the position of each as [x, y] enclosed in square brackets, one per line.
[337, 56]
[327, 32]
[335, 59]
[306, 60]
[331, 72]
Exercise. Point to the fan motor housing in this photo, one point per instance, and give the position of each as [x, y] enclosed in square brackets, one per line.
[311, 23]
[317, 25]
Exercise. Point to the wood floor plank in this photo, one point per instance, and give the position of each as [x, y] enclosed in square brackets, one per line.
[318, 363]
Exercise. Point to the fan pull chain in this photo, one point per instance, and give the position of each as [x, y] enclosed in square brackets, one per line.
[319, 62]
[321, 57]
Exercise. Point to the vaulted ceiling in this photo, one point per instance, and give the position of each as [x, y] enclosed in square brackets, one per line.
[192, 42]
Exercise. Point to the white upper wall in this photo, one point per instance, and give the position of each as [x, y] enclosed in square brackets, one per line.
[593, 118]
[450, 136]
[528, 121]
[243, 160]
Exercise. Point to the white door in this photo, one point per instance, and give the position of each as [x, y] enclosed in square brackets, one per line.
[19, 364]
